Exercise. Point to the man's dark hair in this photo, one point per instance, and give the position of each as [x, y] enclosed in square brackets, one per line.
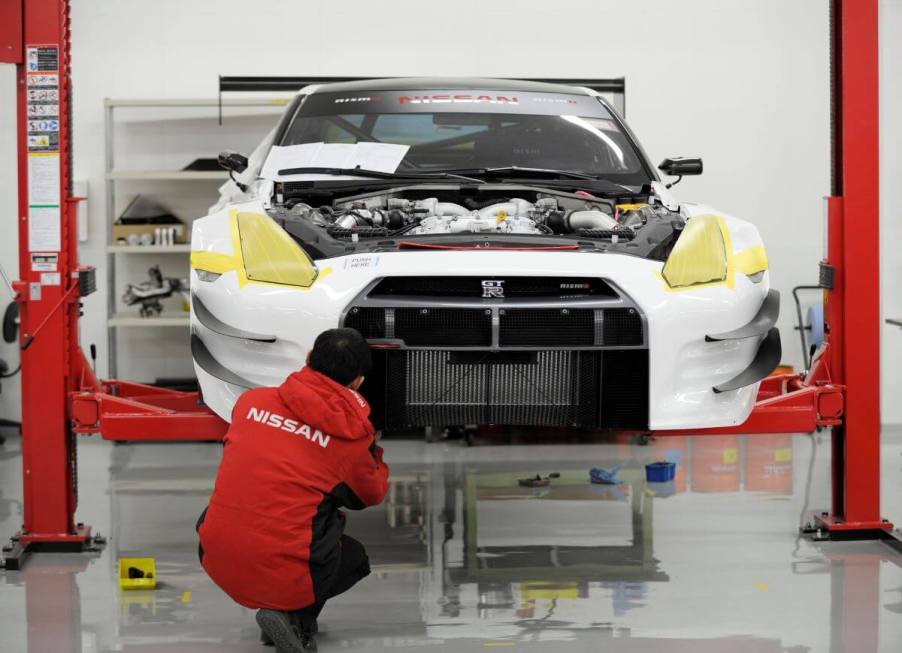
[341, 354]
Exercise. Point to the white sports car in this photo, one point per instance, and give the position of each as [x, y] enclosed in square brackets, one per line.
[505, 247]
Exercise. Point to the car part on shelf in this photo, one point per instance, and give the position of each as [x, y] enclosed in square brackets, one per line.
[148, 294]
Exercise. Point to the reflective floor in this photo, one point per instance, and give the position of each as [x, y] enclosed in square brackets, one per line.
[466, 559]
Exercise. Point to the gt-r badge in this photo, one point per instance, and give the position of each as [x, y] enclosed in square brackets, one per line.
[492, 288]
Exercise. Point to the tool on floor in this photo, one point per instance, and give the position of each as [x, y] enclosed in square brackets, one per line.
[605, 476]
[538, 480]
[660, 472]
[137, 573]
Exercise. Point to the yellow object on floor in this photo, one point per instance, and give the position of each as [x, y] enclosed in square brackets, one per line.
[137, 573]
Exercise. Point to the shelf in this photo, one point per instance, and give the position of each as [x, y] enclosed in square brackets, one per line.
[193, 120]
[167, 175]
[149, 249]
[135, 320]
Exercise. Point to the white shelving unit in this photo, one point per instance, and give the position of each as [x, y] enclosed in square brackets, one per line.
[167, 175]
[148, 249]
[136, 321]
[205, 181]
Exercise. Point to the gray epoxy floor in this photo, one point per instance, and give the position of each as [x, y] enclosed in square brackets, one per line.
[464, 559]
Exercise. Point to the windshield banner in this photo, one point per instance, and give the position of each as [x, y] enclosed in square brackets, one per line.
[456, 101]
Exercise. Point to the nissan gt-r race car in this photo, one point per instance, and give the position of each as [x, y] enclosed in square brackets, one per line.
[505, 247]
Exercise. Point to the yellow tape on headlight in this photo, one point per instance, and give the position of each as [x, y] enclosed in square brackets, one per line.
[751, 261]
[700, 255]
[270, 255]
[262, 253]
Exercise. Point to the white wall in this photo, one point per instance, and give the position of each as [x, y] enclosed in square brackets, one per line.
[9, 239]
[891, 206]
[742, 84]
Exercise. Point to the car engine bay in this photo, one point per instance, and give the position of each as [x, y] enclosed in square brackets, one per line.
[434, 213]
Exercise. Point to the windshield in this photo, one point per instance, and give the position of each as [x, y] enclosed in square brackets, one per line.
[455, 130]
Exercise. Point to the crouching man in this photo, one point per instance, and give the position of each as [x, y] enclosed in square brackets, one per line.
[272, 535]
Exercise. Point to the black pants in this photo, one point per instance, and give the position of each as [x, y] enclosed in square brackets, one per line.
[353, 566]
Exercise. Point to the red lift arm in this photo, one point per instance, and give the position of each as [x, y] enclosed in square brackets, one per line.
[61, 397]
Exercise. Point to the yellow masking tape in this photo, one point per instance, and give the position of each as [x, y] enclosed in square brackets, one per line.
[700, 255]
[214, 262]
[751, 261]
[270, 254]
[696, 258]
[266, 255]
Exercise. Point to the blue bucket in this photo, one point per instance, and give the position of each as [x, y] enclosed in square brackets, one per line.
[659, 472]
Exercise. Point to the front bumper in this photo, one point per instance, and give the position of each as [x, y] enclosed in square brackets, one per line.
[665, 381]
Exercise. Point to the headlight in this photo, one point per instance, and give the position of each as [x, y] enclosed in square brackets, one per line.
[270, 255]
[699, 255]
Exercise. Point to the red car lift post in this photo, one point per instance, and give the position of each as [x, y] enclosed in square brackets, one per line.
[853, 306]
[61, 396]
[842, 390]
[48, 288]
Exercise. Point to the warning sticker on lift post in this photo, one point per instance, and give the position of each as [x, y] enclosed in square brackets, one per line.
[44, 261]
[43, 144]
[43, 90]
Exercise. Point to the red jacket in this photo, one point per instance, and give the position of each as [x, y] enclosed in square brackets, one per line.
[293, 456]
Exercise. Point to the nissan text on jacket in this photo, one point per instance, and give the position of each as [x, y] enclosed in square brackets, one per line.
[293, 456]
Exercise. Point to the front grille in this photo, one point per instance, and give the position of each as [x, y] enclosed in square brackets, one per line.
[443, 327]
[432, 388]
[518, 327]
[586, 389]
[369, 321]
[501, 362]
[538, 288]
[622, 327]
[624, 383]
[548, 327]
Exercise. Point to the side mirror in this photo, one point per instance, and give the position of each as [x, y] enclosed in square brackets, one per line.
[681, 166]
[234, 161]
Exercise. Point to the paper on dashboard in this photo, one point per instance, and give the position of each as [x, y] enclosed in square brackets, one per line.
[381, 157]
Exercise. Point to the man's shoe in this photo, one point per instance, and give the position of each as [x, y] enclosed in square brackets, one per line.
[307, 641]
[306, 631]
[280, 628]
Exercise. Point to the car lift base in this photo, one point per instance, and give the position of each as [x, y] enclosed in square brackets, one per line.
[24, 544]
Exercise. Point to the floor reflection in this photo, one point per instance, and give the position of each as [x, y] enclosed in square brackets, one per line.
[465, 558]
[510, 561]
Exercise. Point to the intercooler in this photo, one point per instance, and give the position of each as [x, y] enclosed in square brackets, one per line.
[545, 361]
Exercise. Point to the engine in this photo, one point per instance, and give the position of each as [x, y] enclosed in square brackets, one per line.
[431, 216]
[514, 217]
[637, 225]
